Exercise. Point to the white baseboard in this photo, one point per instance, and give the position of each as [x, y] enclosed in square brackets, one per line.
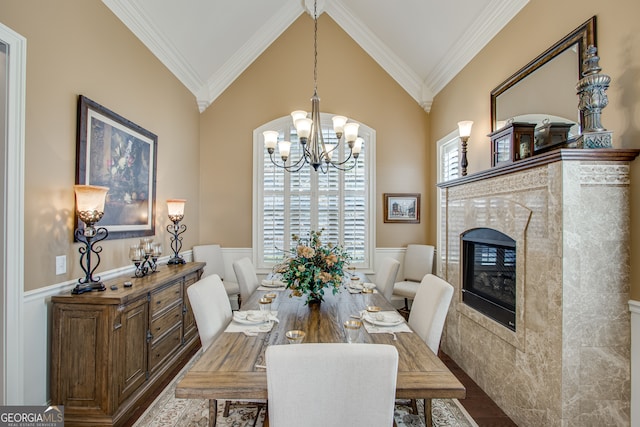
[634, 308]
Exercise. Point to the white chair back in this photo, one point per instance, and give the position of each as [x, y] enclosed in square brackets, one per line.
[429, 310]
[212, 255]
[247, 278]
[211, 308]
[386, 276]
[331, 384]
[418, 261]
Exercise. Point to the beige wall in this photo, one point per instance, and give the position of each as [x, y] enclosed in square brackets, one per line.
[79, 47]
[281, 80]
[539, 25]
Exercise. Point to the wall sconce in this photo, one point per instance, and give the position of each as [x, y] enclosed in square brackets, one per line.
[145, 256]
[175, 208]
[90, 208]
[464, 130]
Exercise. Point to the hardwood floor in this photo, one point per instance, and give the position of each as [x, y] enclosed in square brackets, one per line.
[480, 406]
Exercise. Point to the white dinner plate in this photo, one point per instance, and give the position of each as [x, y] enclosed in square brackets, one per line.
[248, 317]
[388, 321]
[272, 283]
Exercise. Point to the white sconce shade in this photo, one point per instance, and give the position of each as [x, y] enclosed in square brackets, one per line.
[270, 139]
[90, 198]
[464, 128]
[175, 207]
[284, 147]
[338, 124]
[303, 127]
[297, 115]
[357, 146]
[351, 131]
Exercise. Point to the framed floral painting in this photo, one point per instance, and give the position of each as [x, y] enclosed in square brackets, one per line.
[402, 208]
[114, 152]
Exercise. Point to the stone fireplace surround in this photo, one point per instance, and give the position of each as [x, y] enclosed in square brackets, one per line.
[568, 363]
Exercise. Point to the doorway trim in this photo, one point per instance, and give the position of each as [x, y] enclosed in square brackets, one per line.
[12, 323]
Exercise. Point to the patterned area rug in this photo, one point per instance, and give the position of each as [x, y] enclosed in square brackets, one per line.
[167, 411]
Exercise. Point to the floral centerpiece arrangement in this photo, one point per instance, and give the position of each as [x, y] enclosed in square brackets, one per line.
[311, 267]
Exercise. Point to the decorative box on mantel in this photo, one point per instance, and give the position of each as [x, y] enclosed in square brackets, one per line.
[567, 363]
[511, 143]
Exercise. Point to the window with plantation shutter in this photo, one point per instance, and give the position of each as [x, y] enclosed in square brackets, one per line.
[448, 168]
[287, 203]
[449, 160]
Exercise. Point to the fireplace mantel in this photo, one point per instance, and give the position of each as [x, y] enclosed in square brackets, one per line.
[600, 154]
[568, 362]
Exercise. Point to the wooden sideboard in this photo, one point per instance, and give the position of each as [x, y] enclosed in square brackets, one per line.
[111, 349]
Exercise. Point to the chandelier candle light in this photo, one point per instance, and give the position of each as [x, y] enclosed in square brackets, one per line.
[464, 130]
[175, 208]
[314, 151]
[90, 208]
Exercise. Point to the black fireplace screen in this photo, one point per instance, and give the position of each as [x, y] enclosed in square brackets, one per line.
[489, 274]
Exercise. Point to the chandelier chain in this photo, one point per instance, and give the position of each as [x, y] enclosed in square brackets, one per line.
[315, 46]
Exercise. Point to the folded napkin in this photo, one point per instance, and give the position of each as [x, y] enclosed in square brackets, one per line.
[242, 322]
[273, 283]
[271, 288]
[381, 323]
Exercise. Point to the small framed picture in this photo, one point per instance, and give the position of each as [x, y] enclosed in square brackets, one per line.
[402, 208]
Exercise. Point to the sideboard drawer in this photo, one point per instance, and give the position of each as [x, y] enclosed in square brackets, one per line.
[165, 297]
[161, 324]
[165, 347]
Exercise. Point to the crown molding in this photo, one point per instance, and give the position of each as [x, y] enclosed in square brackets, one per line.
[489, 23]
[370, 43]
[249, 52]
[134, 19]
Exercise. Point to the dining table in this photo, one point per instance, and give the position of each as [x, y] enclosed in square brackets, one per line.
[233, 366]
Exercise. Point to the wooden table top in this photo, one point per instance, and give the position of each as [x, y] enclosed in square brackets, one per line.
[227, 369]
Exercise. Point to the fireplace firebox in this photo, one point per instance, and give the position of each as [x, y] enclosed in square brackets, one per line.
[489, 274]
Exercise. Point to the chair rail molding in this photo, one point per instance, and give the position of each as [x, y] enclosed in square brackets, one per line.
[634, 308]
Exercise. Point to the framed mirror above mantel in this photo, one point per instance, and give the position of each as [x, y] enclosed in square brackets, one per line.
[543, 93]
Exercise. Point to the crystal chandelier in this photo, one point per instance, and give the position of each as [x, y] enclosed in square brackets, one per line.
[314, 150]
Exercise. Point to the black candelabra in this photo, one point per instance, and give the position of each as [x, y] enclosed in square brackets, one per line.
[145, 256]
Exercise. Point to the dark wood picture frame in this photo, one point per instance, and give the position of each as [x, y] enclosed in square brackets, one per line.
[114, 152]
[402, 208]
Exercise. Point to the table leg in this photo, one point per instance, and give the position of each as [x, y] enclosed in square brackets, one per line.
[213, 412]
[427, 413]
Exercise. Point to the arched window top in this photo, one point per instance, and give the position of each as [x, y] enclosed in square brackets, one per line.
[286, 203]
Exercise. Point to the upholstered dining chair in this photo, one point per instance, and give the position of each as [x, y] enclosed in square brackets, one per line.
[418, 261]
[386, 276]
[247, 278]
[427, 318]
[212, 311]
[212, 255]
[331, 384]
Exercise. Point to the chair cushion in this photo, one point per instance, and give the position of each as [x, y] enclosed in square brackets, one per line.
[232, 288]
[406, 289]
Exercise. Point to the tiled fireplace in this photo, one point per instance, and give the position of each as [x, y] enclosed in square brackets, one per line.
[567, 363]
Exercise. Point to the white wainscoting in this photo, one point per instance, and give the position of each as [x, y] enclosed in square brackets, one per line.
[634, 307]
[37, 317]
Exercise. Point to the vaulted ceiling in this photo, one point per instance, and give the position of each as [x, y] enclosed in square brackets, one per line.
[422, 44]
